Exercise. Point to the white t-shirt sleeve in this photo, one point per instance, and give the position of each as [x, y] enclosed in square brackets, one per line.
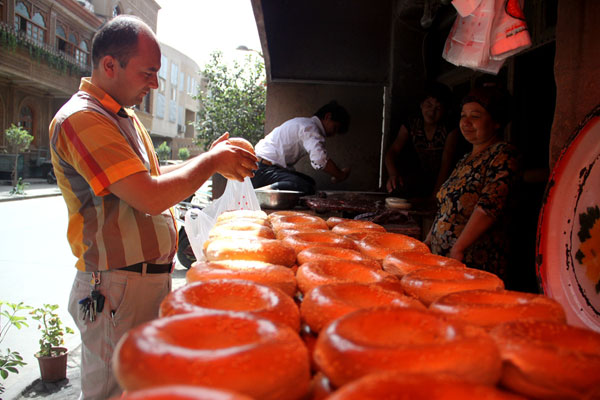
[314, 144]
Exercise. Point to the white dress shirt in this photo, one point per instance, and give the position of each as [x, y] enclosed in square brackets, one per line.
[292, 140]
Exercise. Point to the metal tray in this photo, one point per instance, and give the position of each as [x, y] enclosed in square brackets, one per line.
[277, 199]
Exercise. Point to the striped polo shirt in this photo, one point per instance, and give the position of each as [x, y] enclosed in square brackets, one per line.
[94, 142]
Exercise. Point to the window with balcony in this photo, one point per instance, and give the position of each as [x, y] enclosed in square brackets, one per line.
[32, 24]
[61, 40]
[72, 46]
[82, 53]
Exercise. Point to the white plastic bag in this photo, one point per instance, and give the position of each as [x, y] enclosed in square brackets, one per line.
[198, 223]
[485, 33]
[468, 42]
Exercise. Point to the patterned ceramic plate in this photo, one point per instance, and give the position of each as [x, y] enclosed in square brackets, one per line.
[568, 249]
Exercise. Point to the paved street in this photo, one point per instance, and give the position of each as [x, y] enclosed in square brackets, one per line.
[37, 267]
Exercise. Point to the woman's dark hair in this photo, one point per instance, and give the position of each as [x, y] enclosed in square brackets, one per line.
[338, 114]
[494, 99]
[117, 38]
[438, 91]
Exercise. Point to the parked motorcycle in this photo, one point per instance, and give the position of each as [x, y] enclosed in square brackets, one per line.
[185, 254]
[50, 177]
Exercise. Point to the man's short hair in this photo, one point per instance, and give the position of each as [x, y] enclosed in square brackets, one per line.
[117, 38]
[338, 114]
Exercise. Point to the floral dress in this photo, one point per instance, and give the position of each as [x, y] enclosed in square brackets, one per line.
[484, 181]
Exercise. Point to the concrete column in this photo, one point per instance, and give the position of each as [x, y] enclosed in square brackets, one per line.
[10, 12]
[52, 28]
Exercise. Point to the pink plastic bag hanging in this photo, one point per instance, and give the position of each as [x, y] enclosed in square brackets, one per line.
[509, 34]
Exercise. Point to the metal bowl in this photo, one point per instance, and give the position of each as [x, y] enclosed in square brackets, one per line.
[277, 199]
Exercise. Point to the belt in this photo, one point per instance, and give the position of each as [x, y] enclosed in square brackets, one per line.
[263, 161]
[150, 268]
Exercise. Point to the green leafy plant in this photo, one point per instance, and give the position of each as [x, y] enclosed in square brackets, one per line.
[183, 153]
[233, 100]
[163, 151]
[51, 328]
[10, 361]
[18, 140]
[19, 188]
[8, 39]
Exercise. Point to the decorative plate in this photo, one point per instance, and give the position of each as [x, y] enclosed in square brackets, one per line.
[568, 248]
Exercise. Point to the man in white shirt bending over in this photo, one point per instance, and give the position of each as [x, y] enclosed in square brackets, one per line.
[289, 142]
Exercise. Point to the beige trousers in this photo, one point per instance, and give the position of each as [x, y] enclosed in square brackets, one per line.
[132, 298]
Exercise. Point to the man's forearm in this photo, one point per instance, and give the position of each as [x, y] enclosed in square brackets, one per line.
[154, 194]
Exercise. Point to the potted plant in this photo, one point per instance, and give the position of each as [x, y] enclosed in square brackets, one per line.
[10, 361]
[52, 357]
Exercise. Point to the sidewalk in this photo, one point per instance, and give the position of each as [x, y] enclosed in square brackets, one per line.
[29, 384]
[37, 188]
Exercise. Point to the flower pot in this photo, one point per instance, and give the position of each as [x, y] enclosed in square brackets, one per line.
[53, 368]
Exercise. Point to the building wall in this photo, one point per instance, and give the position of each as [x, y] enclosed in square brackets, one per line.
[147, 10]
[174, 104]
[28, 80]
[358, 149]
[38, 74]
[576, 68]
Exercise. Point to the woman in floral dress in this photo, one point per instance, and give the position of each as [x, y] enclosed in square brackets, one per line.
[470, 222]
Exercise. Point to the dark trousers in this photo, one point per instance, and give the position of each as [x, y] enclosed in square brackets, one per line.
[282, 179]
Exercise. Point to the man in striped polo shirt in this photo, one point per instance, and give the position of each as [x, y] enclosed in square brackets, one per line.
[121, 227]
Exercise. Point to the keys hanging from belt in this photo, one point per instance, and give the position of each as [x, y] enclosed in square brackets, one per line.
[94, 303]
[84, 307]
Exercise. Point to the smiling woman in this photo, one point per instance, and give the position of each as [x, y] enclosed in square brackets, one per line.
[472, 211]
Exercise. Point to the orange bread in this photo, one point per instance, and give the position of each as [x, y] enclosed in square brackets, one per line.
[222, 349]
